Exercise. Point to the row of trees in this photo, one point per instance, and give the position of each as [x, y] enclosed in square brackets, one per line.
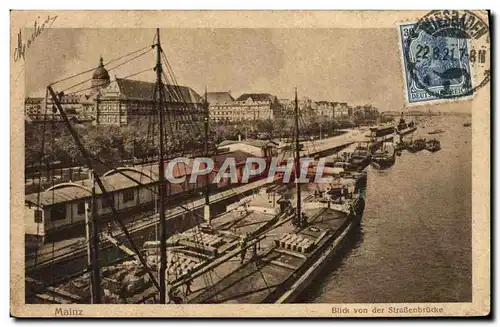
[113, 144]
[284, 128]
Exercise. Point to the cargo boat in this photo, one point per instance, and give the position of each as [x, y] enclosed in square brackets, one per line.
[433, 145]
[417, 145]
[384, 158]
[407, 131]
[290, 260]
[437, 131]
[360, 158]
[381, 131]
[404, 128]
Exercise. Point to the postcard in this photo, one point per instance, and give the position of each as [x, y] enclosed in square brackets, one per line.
[250, 163]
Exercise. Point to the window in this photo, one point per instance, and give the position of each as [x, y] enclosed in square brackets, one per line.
[58, 212]
[128, 195]
[107, 202]
[81, 208]
[38, 216]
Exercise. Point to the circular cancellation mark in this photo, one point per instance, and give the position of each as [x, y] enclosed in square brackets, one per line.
[447, 53]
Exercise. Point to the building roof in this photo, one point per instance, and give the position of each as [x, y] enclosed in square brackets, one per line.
[256, 97]
[238, 155]
[257, 143]
[133, 89]
[262, 143]
[33, 100]
[219, 97]
[114, 181]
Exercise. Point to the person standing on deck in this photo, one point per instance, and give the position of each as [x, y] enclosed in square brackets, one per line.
[189, 281]
[343, 195]
[304, 219]
[110, 229]
[243, 243]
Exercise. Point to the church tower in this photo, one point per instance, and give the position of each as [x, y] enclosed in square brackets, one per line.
[100, 78]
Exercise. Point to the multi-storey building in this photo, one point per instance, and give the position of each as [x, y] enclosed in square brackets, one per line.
[365, 112]
[127, 101]
[255, 106]
[40, 109]
[249, 106]
[324, 108]
[34, 106]
[221, 107]
[121, 102]
[341, 110]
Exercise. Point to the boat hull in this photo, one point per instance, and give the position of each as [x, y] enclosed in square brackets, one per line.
[383, 163]
[360, 162]
[282, 274]
[319, 264]
[417, 145]
[407, 131]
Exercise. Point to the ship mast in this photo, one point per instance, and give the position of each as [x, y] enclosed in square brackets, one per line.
[207, 179]
[297, 160]
[92, 235]
[92, 214]
[161, 168]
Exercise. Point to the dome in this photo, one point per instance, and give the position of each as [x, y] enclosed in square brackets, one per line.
[100, 78]
[101, 72]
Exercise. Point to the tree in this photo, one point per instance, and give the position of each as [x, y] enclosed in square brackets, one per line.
[266, 126]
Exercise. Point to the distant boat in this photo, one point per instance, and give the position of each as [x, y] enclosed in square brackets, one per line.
[467, 124]
[383, 158]
[403, 127]
[360, 158]
[433, 145]
[417, 145]
[400, 145]
[437, 131]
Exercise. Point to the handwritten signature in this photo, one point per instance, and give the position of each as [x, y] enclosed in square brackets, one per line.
[23, 46]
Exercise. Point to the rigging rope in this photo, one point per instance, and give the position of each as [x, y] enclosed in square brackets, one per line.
[53, 193]
[42, 149]
[94, 68]
[114, 81]
[109, 69]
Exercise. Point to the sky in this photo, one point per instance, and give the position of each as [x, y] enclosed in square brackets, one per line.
[358, 66]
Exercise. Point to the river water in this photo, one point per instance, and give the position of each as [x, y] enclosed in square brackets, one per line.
[414, 243]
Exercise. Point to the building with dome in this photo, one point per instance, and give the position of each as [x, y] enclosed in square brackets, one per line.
[121, 102]
[100, 77]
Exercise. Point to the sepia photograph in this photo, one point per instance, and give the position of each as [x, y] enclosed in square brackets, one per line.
[336, 163]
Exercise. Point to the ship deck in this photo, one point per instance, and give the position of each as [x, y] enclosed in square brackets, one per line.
[211, 256]
[264, 278]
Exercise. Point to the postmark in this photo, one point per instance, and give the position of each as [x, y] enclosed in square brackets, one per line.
[446, 55]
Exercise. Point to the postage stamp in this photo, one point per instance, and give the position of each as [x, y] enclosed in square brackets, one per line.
[445, 55]
[250, 164]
